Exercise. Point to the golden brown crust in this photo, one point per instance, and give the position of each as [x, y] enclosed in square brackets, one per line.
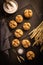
[30, 55]
[26, 43]
[18, 33]
[12, 24]
[15, 42]
[19, 18]
[26, 26]
[28, 13]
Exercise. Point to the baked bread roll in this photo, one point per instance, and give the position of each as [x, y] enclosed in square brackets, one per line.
[18, 33]
[19, 18]
[26, 26]
[12, 24]
[15, 42]
[28, 13]
[26, 43]
[30, 55]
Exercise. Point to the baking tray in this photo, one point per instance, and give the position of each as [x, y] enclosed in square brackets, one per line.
[35, 21]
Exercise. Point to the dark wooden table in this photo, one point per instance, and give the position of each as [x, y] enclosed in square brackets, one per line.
[38, 6]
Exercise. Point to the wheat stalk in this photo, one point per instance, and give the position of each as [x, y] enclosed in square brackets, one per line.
[37, 33]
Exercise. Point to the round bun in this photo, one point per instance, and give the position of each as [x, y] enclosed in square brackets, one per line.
[30, 55]
[26, 26]
[18, 33]
[15, 42]
[28, 13]
[12, 24]
[26, 43]
[19, 18]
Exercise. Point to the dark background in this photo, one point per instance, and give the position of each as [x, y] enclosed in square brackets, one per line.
[4, 58]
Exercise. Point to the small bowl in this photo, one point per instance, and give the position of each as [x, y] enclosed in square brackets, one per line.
[11, 10]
